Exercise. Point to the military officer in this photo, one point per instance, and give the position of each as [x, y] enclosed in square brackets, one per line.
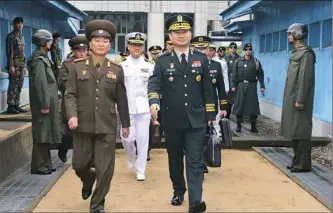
[181, 76]
[137, 71]
[167, 44]
[202, 43]
[212, 55]
[154, 52]
[44, 104]
[79, 46]
[246, 71]
[230, 59]
[94, 86]
[56, 53]
[297, 110]
[16, 65]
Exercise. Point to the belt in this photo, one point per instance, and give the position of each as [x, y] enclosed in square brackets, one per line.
[248, 81]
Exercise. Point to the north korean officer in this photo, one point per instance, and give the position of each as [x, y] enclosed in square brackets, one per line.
[181, 76]
[79, 47]
[137, 72]
[95, 85]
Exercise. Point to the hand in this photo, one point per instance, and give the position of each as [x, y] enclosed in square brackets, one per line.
[211, 121]
[125, 132]
[154, 108]
[233, 89]
[72, 123]
[45, 111]
[299, 105]
[262, 90]
[12, 70]
[223, 113]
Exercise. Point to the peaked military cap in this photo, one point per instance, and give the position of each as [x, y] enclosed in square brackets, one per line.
[232, 44]
[221, 49]
[78, 41]
[17, 20]
[247, 45]
[155, 49]
[179, 22]
[200, 41]
[135, 38]
[100, 28]
[167, 40]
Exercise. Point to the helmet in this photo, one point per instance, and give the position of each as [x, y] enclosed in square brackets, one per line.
[40, 37]
[299, 31]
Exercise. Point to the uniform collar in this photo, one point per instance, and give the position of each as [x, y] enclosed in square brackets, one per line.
[135, 60]
[178, 53]
[95, 61]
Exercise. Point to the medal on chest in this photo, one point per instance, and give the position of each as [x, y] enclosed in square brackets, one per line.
[198, 78]
[111, 75]
[214, 80]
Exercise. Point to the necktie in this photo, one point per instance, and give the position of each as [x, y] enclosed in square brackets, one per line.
[183, 61]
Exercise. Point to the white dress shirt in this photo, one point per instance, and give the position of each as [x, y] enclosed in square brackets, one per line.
[136, 73]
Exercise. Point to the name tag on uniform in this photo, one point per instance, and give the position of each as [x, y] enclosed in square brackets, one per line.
[212, 71]
[144, 70]
[196, 64]
[111, 75]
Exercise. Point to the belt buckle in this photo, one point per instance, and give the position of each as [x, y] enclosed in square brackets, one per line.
[246, 81]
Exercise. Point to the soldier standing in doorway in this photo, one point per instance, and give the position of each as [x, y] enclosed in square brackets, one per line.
[182, 77]
[16, 64]
[56, 53]
[79, 46]
[246, 71]
[297, 110]
[230, 59]
[44, 104]
[95, 85]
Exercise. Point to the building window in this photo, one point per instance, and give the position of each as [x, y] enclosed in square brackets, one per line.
[314, 35]
[121, 43]
[268, 43]
[276, 40]
[283, 40]
[262, 44]
[327, 33]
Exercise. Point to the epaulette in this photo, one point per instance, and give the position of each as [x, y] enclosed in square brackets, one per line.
[168, 52]
[79, 59]
[114, 63]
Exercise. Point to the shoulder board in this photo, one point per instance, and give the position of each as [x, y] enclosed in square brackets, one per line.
[79, 59]
[114, 63]
[168, 52]
[197, 51]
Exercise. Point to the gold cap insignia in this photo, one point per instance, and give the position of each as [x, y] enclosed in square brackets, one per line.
[179, 18]
[138, 36]
[198, 78]
[200, 39]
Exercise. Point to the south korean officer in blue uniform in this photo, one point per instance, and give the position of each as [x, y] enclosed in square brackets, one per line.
[181, 76]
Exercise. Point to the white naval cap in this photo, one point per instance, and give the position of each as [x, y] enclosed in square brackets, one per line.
[212, 46]
[136, 38]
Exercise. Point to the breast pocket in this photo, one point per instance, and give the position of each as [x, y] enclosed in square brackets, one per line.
[197, 74]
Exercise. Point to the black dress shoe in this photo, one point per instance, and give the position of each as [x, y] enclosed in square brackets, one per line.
[148, 157]
[177, 200]
[295, 170]
[289, 167]
[86, 193]
[52, 169]
[46, 172]
[197, 207]
[12, 110]
[98, 211]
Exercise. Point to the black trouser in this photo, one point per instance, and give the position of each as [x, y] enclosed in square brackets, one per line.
[302, 154]
[192, 141]
[240, 118]
[229, 107]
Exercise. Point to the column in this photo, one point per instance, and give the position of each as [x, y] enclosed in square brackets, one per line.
[155, 25]
[200, 18]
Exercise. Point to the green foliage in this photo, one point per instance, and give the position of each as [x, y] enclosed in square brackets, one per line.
[239, 51]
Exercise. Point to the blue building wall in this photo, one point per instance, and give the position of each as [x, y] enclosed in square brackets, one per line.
[269, 39]
[36, 16]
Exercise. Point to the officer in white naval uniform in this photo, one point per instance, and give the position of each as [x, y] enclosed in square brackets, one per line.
[137, 70]
[212, 54]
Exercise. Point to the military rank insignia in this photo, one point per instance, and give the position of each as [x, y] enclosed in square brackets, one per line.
[214, 80]
[171, 79]
[111, 75]
[198, 78]
[84, 72]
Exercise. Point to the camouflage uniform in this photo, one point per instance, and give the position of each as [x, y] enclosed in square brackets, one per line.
[56, 55]
[15, 52]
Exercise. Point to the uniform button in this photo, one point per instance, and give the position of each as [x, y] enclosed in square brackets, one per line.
[185, 104]
[97, 81]
[184, 76]
[96, 98]
[96, 90]
[185, 94]
[96, 107]
[185, 85]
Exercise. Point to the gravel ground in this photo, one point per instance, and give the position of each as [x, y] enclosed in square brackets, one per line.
[268, 127]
